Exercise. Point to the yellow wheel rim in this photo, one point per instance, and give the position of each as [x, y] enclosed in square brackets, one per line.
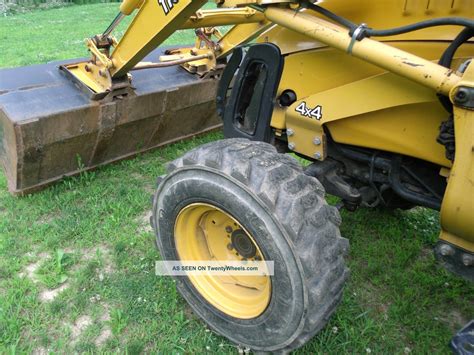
[204, 232]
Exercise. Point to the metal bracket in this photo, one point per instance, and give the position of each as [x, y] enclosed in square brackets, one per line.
[98, 54]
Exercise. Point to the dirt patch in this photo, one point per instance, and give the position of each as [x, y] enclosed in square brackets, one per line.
[188, 312]
[45, 295]
[106, 315]
[40, 351]
[30, 270]
[149, 188]
[104, 335]
[426, 254]
[47, 218]
[105, 256]
[455, 320]
[49, 295]
[106, 332]
[371, 299]
[79, 326]
[144, 223]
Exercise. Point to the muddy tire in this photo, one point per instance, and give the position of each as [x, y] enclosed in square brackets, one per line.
[285, 212]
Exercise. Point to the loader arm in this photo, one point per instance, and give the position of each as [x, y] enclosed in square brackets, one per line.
[154, 22]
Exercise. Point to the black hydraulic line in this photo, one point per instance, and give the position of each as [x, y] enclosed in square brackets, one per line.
[408, 195]
[380, 163]
[368, 32]
[371, 178]
[393, 167]
[447, 58]
[442, 21]
[422, 183]
[331, 15]
[448, 54]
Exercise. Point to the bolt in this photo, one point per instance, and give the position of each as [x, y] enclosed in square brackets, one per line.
[317, 155]
[290, 132]
[317, 141]
[87, 68]
[228, 229]
[446, 250]
[291, 146]
[468, 260]
[102, 73]
[462, 96]
[230, 246]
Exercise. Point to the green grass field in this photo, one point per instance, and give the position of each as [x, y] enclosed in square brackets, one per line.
[77, 260]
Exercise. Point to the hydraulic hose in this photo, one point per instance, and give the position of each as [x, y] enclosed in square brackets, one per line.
[369, 32]
[442, 21]
[447, 58]
[331, 15]
[448, 54]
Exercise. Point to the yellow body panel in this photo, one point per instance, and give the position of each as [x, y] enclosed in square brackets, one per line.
[362, 104]
[457, 209]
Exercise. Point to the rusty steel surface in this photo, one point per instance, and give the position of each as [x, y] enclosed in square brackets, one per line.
[50, 129]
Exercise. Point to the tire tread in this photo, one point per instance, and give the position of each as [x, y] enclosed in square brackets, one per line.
[297, 201]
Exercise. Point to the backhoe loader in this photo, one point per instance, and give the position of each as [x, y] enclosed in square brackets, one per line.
[376, 96]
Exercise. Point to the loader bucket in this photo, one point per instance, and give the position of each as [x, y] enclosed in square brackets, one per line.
[50, 128]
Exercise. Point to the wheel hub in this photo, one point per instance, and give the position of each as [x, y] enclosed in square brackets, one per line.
[242, 244]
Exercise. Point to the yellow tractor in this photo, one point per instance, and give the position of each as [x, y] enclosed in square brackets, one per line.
[376, 96]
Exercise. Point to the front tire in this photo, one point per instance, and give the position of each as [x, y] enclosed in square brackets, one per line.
[283, 212]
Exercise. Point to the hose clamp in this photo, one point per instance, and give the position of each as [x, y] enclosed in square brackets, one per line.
[356, 36]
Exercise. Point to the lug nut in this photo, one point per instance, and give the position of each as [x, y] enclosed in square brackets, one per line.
[468, 260]
[228, 229]
[446, 250]
[230, 246]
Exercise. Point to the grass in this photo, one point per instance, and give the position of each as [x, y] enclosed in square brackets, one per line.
[42, 36]
[88, 237]
[8, 7]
